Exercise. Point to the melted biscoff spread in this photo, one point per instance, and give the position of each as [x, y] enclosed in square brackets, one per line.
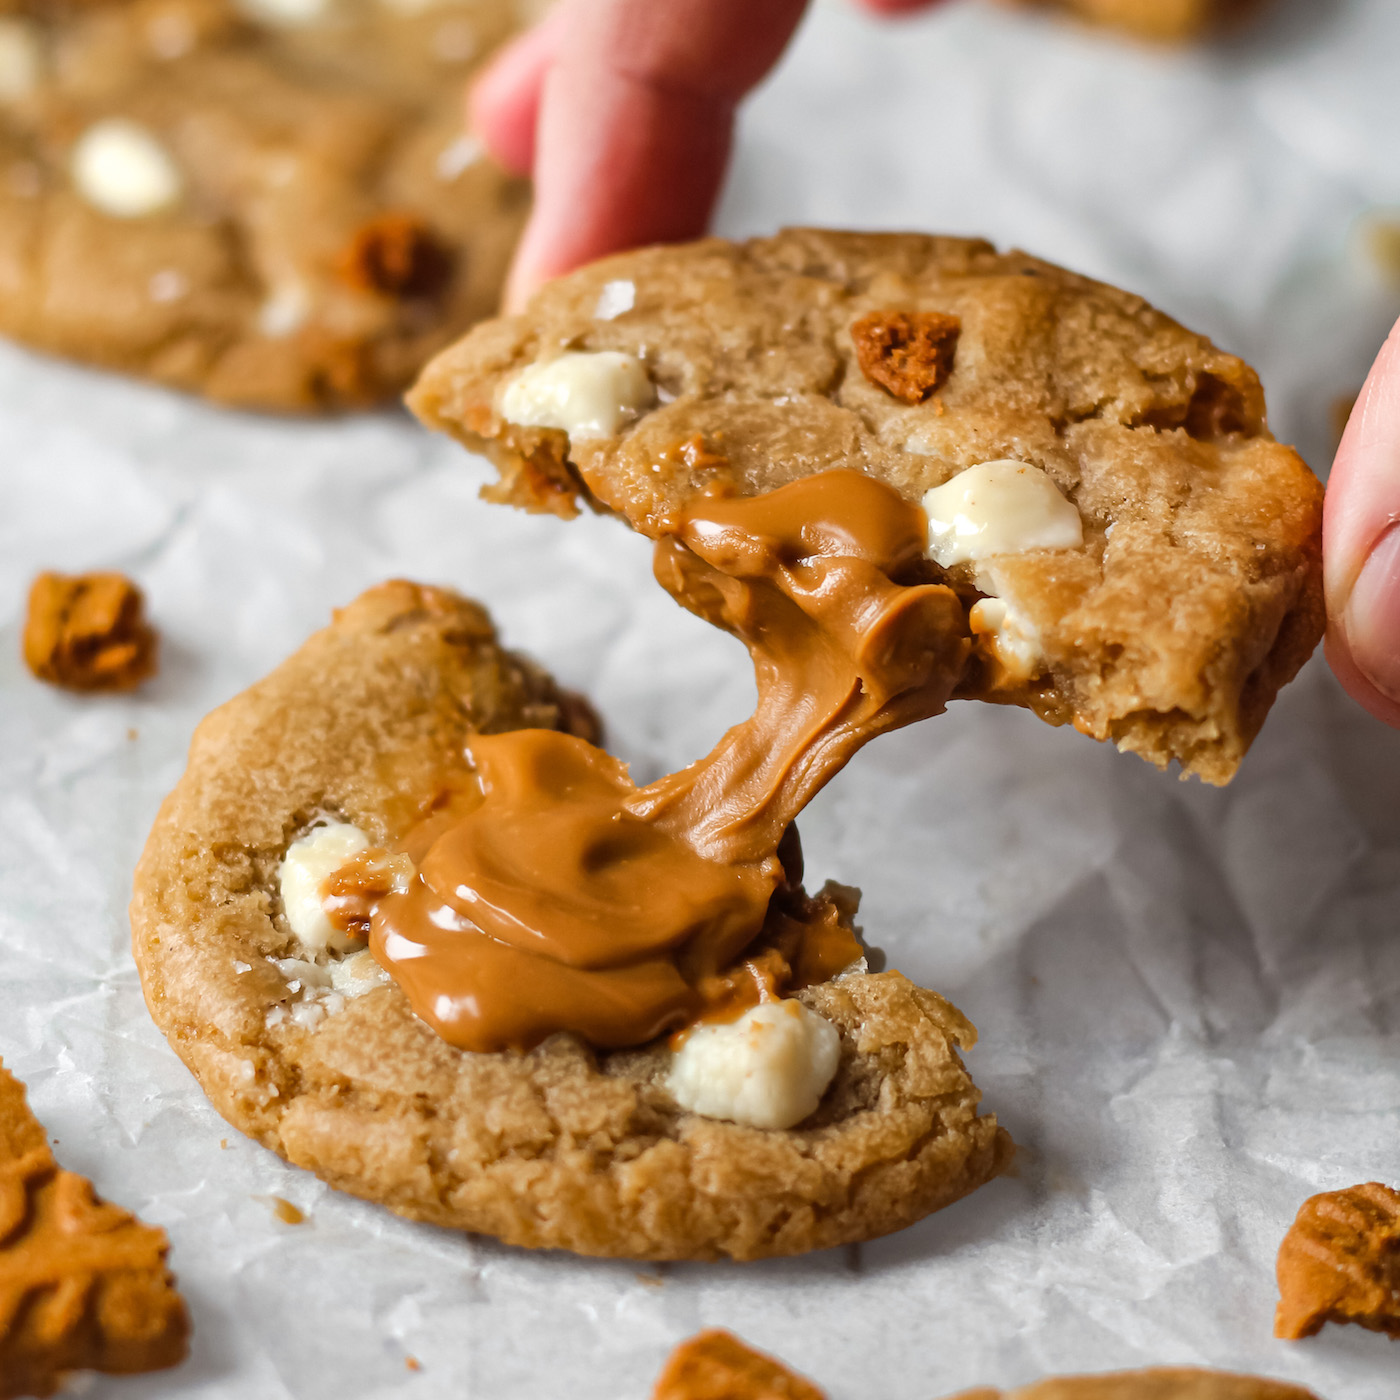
[555, 895]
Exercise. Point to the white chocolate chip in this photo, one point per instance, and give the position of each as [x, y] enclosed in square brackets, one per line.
[357, 974]
[121, 169]
[768, 1069]
[589, 394]
[21, 58]
[1010, 636]
[615, 299]
[460, 155]
[1001, 507]
[305, 868]
[308, 1015]
[241, 967]
[286, 12]
[167, 285]
[285, 311]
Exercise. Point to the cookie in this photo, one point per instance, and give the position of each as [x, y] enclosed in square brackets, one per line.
[88, 632]
[1340, 1262]
[716, 1365]
[1149, 570]
[269, 202]
[315, 1054]
[1160, 21]
[83, 1284]
[1158, 1383]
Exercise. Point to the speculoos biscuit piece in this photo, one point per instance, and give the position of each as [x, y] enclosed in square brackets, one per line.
[561, 1147]
[83, 1283]
[88, 632]
[1340, 1262]
[716, 1365]
[1197, 592]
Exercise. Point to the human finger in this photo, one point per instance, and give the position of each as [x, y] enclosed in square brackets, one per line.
[1361, 543]
[635, 123]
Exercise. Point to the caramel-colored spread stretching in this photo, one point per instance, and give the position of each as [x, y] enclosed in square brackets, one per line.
[555, 895]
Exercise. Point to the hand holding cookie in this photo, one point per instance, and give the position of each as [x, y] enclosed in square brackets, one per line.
[1362, 544]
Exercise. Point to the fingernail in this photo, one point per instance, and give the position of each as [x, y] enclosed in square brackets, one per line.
[1372, 616]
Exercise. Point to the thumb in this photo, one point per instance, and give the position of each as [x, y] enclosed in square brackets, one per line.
[1361, 544]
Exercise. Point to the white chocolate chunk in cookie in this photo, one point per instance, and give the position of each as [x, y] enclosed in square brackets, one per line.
[357, 974]
[1010, 636]
[21, 58]
[121, 169]
[304, 870]
[286, 310]
[589, 394]
[1001, 507]
[458, 156]
[285, 12]
[615, 299]
[768, 1069]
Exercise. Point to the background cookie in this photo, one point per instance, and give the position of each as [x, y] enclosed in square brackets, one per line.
[270, 201]
[553, 1148]
[1196, 592]
[1169, 21]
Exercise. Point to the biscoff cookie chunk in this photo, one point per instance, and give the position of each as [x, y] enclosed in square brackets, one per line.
[83, 1284]
[1160, 21]
[304, 1044]
[88, 632]
[1136, 553]
[716, 1365]
[1340, 1262]
[269, 202]
[1158, 1383]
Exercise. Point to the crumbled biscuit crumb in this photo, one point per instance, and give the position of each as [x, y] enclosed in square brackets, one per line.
[1340, 1262]
[88, 632]
[716, 1365]
[907, 353]
[83, 1284]
[396, 255]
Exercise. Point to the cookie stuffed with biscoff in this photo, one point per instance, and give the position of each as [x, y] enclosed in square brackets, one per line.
[819, 1104]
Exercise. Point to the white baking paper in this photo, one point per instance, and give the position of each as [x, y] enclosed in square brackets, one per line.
[1189, 999]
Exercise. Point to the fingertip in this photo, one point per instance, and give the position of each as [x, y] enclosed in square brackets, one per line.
[1355, 682]
[502, 104]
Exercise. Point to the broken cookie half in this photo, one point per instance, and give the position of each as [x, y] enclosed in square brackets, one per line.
[818, 1103]
[1134, 553]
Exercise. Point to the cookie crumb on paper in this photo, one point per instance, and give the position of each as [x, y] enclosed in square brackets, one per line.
[89, 632]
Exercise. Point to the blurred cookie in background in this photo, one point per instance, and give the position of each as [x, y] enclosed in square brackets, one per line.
[270, 202]
[1160, 21]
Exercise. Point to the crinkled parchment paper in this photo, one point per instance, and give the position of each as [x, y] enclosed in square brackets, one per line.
[1189, 999]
